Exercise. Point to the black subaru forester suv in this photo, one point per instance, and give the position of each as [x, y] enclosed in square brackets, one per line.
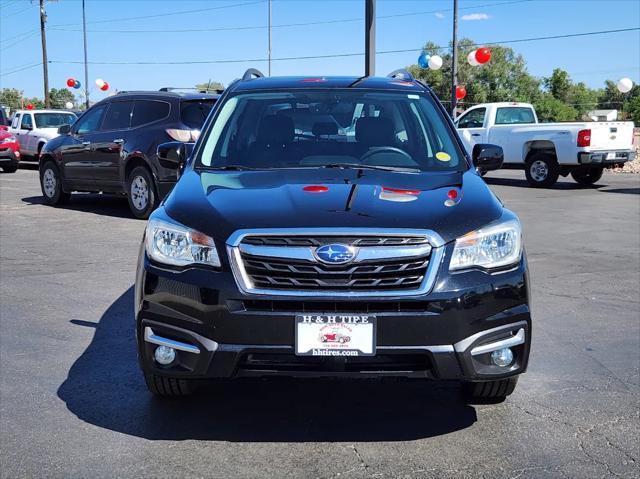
[332, 227]
[112, 147]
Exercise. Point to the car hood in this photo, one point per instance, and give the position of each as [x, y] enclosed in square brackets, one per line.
[219, 203]
[47, 132]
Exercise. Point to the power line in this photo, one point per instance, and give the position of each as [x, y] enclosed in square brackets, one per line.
[284, 25]
[25, 67]
[183, 12]
[31, 34]
[29, 7]
[340, 55]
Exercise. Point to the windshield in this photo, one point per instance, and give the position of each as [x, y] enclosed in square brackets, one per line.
[331, 128]
[54, 120]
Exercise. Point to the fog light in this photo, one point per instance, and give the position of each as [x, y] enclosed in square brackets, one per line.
[502, 357]
[164, 355]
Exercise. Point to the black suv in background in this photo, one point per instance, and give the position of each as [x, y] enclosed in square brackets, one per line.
[111, 148]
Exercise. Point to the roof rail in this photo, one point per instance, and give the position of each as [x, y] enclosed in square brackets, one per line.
[199, 90]
[401, 74]
[251, 73]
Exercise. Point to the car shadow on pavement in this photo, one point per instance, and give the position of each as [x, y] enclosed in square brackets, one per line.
[105, 388]
[560, 185]
[106, 205]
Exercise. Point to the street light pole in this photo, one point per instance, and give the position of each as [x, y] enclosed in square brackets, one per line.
[86, 67]
[45, 63]
[454, 61]
[370, 37]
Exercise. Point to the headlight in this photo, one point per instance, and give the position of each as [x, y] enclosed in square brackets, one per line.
[498, 244]
[172, 243]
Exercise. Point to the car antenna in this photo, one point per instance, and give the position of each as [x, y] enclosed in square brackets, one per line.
[252, 73]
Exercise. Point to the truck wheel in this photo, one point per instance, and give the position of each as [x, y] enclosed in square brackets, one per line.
[141, 192]
[542, 170]
[51, 184]
[489, 391]
[168, 387]
[587, 176]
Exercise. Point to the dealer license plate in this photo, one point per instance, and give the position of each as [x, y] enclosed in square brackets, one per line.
[335, 335]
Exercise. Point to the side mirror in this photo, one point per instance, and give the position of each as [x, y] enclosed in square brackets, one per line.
[487, 157]
[174, 154]
[64, 129]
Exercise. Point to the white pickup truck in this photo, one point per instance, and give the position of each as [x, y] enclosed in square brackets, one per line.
[33, 128]
[547, 150]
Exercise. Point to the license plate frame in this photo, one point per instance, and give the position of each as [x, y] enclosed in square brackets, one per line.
[335, 335]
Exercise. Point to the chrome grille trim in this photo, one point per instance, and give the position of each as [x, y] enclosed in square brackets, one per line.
[245, 284]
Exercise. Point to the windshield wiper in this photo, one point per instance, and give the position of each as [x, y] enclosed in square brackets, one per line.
[230, 168]
[357, 166]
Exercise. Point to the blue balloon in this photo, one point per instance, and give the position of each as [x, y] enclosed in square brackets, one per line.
[77, 85]
[423, 60]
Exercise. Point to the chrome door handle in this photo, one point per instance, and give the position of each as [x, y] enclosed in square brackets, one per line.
[475, 134]
[118, 141]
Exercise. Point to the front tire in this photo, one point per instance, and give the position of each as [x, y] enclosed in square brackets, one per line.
[489, 391]
[587, 176]
[542, 170]
[51, 184]
[168, 387]
[141, 192]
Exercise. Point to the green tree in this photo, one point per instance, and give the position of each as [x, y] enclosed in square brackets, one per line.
[611, 98]
[504, 78]
[549, 109]
[582, 98]
[558, 84]
[11, 97]
[633, 110]
[59, 98]
[210, 86]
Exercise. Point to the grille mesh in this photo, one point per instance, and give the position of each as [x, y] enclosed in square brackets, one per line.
[396, 274]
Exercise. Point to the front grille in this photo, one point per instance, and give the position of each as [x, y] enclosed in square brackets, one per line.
[299, 274]
[379, 362]
[262, 305]
[284, 262]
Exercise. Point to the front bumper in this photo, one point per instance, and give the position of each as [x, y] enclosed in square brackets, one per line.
[607, 158]
[8, 157]
[446, 334]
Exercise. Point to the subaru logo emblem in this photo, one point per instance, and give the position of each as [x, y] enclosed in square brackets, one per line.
[335, 253]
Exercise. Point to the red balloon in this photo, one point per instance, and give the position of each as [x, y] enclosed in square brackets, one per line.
[105, 87]
[71, 82]
[29, 106]
[461, 92]
[483, 55]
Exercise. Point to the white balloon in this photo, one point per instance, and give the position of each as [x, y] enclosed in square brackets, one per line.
[471, 58]
[624, 85]
[68, 105]
[100, 82]
[435, 62]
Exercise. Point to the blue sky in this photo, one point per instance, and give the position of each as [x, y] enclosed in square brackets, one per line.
[151, 37]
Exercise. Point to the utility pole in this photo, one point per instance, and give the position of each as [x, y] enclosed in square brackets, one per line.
[45, 63]
[454, 60]
[370, 37]
[269, 37]
[86, 67]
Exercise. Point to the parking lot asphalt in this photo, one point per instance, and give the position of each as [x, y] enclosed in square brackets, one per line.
[73, 402]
